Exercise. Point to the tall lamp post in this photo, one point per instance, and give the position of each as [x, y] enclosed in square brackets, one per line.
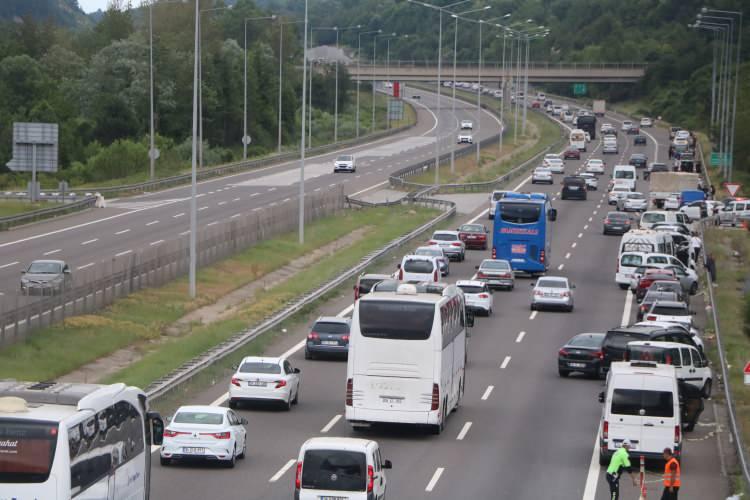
[374, 51]
[245, 137]
[302, 138]
[193, 161]
[359, 80]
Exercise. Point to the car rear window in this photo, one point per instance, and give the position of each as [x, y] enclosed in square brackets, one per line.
[418, 266]
[649, 353]
[431, 252]
[631, 260]
[618, 216]
[653, 218]
[365, 284]
[586, 340]
[621, 339]
[334, 328]
[27, 450]
[635, 401]
[471, 289]
[198, 417]
[670, 311]
[260, 367]
[551, 283]
[396, 320]
[573, 181]
[472, 228]
[445, 237]
[495, 265]
[335, 470]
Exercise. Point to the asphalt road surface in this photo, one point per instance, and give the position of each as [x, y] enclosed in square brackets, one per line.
[522, 432]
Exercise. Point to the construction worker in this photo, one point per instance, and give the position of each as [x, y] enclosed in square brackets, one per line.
[671, 476]
[620, 460]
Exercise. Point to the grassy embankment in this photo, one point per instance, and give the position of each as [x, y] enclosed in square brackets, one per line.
[15, 207]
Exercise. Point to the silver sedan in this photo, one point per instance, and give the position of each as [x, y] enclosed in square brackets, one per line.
[552, 292]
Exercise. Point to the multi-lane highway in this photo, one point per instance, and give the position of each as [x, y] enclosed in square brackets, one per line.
[145, 221]
[522, 432]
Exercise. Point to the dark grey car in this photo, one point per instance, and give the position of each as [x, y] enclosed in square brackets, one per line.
[46, 277]
[329, 335]
[616, 223]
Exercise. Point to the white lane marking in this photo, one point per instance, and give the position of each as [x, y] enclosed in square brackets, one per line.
[505, 363]
[332, 185]
[178, 215]
[626, 310]
[487, 392]
[590, 219]
[533, 314]
[87, 242]
[8, 265]
[122, 232]
[157, 242]
[123, 253]
[554, 198]
[580, 235]
[53, 251]
[463, 432]
[210, 192]
[184, 233]
[212, 223]
[202, 208]
[366, 189]
[330, 424]
[585, 227]
[559, 268]
[222, 203]
[198, 195]
[316, 189]
[345, 312]
[575, 243]
[235, 199]
[357, 177]
[595, 211]
[282, 471]
[520, 337]
[84, 266]
[220, 400]
[235, 215]
[273, 204]
[152, 223]
[435, 478]
[285, 200]
[589, 492]
[254, 194]
[271, 189]
[567, 255]
[257, 208]
[599, 205]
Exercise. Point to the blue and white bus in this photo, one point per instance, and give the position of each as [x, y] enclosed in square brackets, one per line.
[522, 233]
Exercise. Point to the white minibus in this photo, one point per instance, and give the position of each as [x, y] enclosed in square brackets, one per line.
[578, 139]
[626, 172]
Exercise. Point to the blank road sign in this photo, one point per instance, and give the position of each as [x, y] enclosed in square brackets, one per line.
[30, 136]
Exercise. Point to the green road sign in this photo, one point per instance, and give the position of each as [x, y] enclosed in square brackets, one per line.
[716, 159]
[579, 89]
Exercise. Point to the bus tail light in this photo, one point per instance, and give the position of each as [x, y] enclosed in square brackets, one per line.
[541, 256]
[349, 391]
[370, 478]
[435, 397]
[494, 253]
[298, 476]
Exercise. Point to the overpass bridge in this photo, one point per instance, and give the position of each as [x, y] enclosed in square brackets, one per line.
[492, 71]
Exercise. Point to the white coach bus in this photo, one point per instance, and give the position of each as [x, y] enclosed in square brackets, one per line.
[407, 356]
[83, 441]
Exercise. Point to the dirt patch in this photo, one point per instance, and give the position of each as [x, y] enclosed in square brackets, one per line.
[223, 308]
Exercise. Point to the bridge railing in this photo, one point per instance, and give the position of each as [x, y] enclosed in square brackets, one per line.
[547, 65]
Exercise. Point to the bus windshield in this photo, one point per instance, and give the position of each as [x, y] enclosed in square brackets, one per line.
[396, 320]
[520, 213]
[27, 450]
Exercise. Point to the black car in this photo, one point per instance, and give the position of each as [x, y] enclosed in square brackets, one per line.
[654, 296]
[329, 335]
[616, 223]
[582, 353]
[638, 160]
[573, 187]
[691, 404]
[616, 340]
[639, 140]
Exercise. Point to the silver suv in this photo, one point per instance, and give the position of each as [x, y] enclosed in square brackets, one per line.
[345, 163]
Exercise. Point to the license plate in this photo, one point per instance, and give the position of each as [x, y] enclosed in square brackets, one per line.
[194, 451]
[577, 365]
[392, 400]
[573, 188]
[633, 446]
[518, 248]
[550, 295]
[256, 383]
[333, 498]
[329, 342]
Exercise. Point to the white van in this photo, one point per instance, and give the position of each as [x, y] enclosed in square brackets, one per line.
[578, 139]
[690, 365]
[419, 268]
[647, 241]
[331, 467]
[642, 405]
[732, 212]
[651, 217]
[627, 172]
[496, 196]
[627, 263]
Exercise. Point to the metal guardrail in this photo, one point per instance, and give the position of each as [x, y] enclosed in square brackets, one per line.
[180, 375]
[414, 63]
[16, 220]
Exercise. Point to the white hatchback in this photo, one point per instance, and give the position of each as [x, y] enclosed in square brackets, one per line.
[467, 125]
[478, 295]
[265, 379]
[213, 433]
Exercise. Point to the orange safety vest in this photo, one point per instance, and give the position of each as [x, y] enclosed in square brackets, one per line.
[668, 473]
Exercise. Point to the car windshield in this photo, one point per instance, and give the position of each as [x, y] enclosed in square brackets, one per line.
[331, 327]
[345, 158]
[472, 228]
[471, 288]
[495, 265]
[396, 320]
[198, 418]
[587, 340]
[546, 283]
[27, 450]
[45, 268]
[670, 310]
[445, 237]
[418, 266]
[260, 367]
[334, 470]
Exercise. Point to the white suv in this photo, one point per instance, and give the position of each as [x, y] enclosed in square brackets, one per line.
[466, 125]
[464, 138]
[345, 163]
[451, 244]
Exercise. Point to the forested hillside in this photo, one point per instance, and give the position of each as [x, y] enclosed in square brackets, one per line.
[59, 12]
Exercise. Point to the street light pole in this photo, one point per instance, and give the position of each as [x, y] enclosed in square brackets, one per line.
[502, 101]
[526, 88]
[302, 135]
[281, 73]
[453, 85]
[359, 80]
[151, 151]
[193, 162]
[439, 77]
[479, 91]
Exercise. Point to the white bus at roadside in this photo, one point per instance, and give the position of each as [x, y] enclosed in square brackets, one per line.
[407, 356]
[68, 440]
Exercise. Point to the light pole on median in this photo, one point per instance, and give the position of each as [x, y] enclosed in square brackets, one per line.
[302, 138]
[193, 162]
[245, 138]
[374, 51]
[359, 79]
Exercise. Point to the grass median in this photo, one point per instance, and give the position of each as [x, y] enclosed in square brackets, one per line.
[141, 319]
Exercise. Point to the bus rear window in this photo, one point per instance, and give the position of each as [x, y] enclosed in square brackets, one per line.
[520, 213]
[27, 450]
[396, 320]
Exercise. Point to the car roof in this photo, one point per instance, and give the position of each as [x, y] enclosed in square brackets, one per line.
[642, 328]
[670, 303]
[445, 231]
[494, 260]
[659, 343]
[553, 278]
[341, 443]
[333, 319]
[373, 276]
[48, 261]
[648, 368]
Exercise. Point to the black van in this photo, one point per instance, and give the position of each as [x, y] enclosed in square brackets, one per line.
[573, 187]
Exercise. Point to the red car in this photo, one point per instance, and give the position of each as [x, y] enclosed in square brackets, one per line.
[572, 153]
[473, 236]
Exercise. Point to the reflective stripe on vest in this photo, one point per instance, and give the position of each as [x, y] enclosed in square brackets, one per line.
[668, 473]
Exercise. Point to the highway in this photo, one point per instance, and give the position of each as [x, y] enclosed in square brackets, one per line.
[145, 221]
[522, 432]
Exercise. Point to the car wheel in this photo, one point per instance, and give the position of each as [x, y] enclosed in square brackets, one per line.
[233, 404]
[308, 354]
[533, 307]
[165, 461]
[489, 312]
[707, 389]
[563, 373]
[288, 404]
[241, 456]
[603, 461]
[694, 288]
[570, 309]
[230, 463]
[623, 286]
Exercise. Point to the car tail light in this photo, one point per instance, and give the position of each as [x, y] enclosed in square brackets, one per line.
[650, 317]
[435, 275]
[217, 435]
[170, 433]
[435, 397]
[313, 336]
[349, 391]
[538, 293]
[345, 338]
[370, 478]
[605, 430]
[298, 476]
[676, 434]
[565, 294]
[597, 355]
[400, 274]
[562, 352]
[484, 296]
[432, 242]
[627, 222]
[280, 384]
[607, 221]
[235, 381]
[480, 274]
[494, 253]
[644, 308]
[541, 256]
[456, 244]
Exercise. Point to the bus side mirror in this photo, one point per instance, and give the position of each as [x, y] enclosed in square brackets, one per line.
[552, 214]
[157, 427]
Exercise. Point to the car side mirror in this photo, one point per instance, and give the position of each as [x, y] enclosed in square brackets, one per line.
[243, 421]
[66, 270]
[169, 419]
[23, 272]
[476, 267]
[532, 284]
[387, 464]
[601, 397]
[552, 214]
[470, 317]
[296, 370]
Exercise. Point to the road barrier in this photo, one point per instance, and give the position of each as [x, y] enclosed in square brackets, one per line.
[45, 213]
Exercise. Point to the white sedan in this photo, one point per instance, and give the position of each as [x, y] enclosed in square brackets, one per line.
[592, 183]
[672, 202]
[553, 292]
[265, 379]
[467, 125]
[616, 193]
[213, 433]
[478, 295]
[555, 165]
[465, 139]
[646, 122]
[541, 174]
[595, 166]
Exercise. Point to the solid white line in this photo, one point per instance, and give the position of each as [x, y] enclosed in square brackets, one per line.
[84, 266]
[90, 241]
[533, 314]
[8, 265]
[487, 392]
[52, 251]
[122, 232]
[520, 337]
[178, 215]
[559, 268]
[464, 431]
[236, 199]
[202, 208]
[285, 200]
[152, 223]
[346, 311]
[332, 185]
[123, 253]
[589, 492]
[212, 223]
[282, 471]
[505, 363]
[435, 478]
[257, 208]
[575, 243]
[330, 424]
[365, 189]
[296, 347]
[626, 310]
[567, 255]
[220, 400]
[157, 242]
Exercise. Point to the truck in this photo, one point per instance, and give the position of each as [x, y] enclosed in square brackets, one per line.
[599, 107]
[663, 184]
